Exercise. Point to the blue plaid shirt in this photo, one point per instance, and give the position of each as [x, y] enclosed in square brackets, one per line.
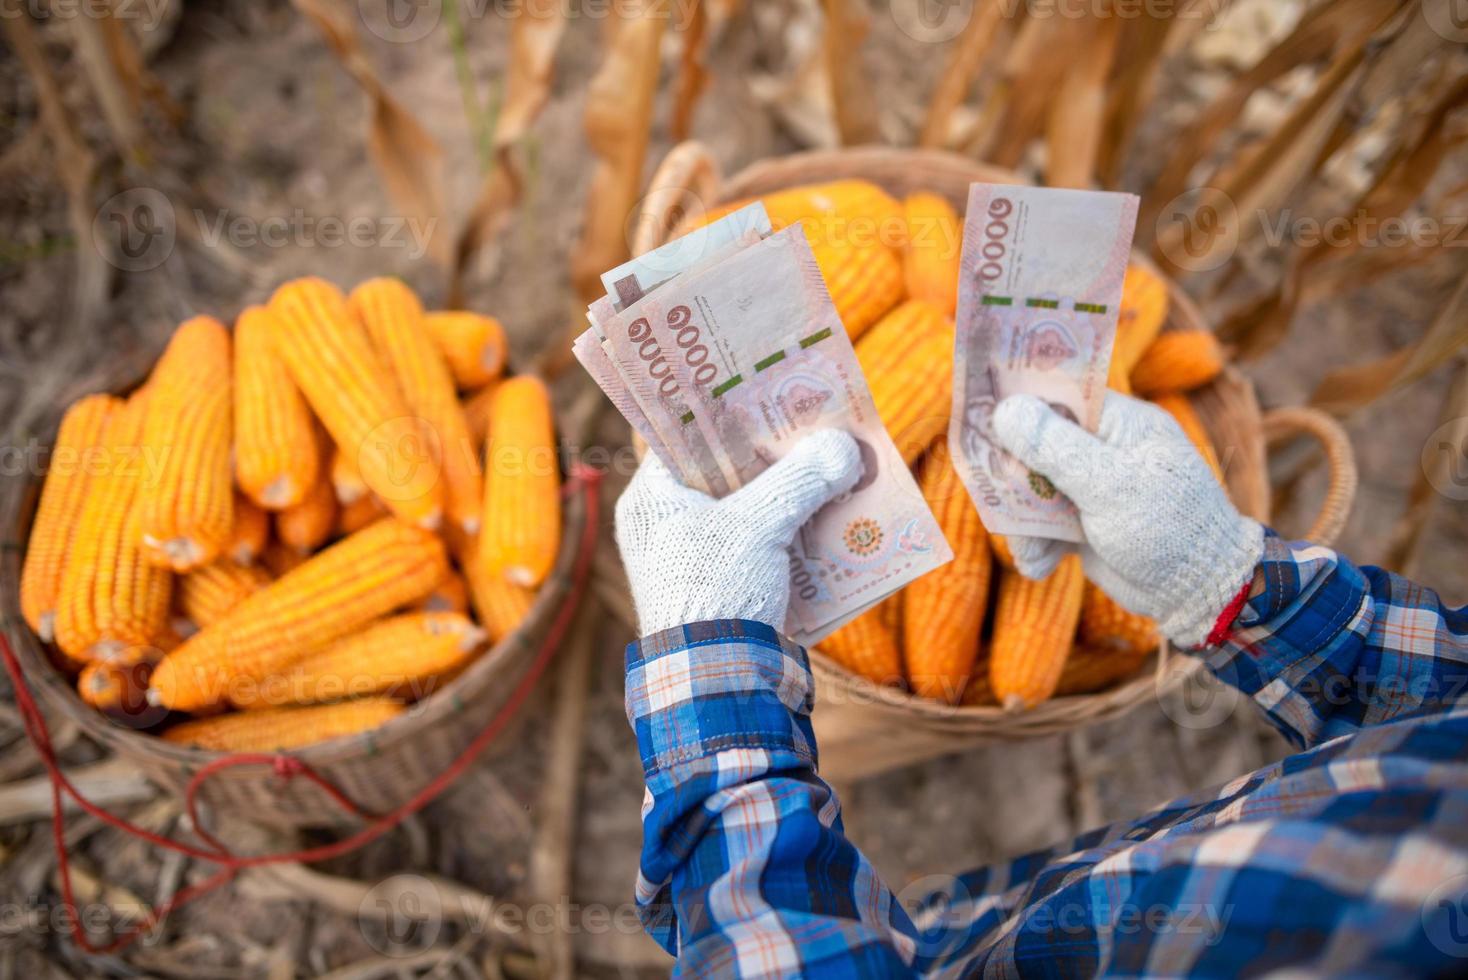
[1348, 858]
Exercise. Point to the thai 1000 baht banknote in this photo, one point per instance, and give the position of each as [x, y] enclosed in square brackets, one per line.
[757, 342]
[635, 278]
[1038, 291]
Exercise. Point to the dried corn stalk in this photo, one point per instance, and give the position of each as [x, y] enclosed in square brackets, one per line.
[852, 101]
[1078, 112]
[964, 60]
[692, 71]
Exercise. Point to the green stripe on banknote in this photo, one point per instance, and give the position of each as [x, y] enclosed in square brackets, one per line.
[720, 389]
[770, 361]
[815, 338]
[996, 301]
[686, 418]
[1090, 307]
[1043, 304]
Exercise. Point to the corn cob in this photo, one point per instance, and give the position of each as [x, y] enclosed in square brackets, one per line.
[251, 529]
[473, 345]
[522, 499]
[398, 653]
[908, 361]
[864, 281]
[117, 689]
[284, 728]
[867, 646]
[1178, 360]
[336, 592]
[1034, 627]
[999, 548]
[275, 455]
[188, 504]
[307, 525]
[77, 451]
[1138, 322]
[476, 412]
[278, 558]
[356, 515]
[331, 360]
[451, 595]
[346, 479]
[111, 596]
[847, 209]
[1181, 410]
[394, 321]
[932, 245]
[943, 612]
[1106, 625]
[500, 605]
[1087, 670]
[206, 595]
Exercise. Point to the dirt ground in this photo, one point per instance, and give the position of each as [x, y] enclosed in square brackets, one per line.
[274, 127]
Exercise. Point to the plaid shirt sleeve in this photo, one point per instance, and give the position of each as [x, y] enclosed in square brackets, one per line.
[1328, 648]
[745, 870]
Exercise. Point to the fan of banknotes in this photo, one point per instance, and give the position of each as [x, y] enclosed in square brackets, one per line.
[722, 348]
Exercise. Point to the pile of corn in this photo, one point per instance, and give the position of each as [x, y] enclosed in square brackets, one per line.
[291, 529]
[974, 632]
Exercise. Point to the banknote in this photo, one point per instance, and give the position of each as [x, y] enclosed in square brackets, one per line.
[1038, 292]
[635, 278]
[762, 358]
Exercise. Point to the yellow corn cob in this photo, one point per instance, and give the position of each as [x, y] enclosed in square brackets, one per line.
[1181, 409]
[356, 515]
[999, 548]
[1034, 628]
[78, 450]
[346, 479]
[867, 646]
[275, 454]
[206, 595]
[251, 528]
[1178, 360]
[865, 281]
[1087, 670]
[394, 321]
[943, 611]
[279, 557]
[451, 595]
[522, 497]
[117, 689]
[847, 209]
[332, 361]
[1106, 625]
[500, 605]
[188, 502]
[473, 345]
[394, 654]
[908, 362]
[307, 525]
[284, 728]
[476, 412]
[1138, 322]
[932, 245]
[336, 592]
[111, 596]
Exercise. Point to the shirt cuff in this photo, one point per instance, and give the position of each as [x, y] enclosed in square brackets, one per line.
[704, 688]
[1302, 581]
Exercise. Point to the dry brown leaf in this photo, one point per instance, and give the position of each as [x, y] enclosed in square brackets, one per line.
[851, 92]
[1078, 111]
[1035, 65]
[534, 39]
[407, 158]
[1139, 55]
[1346, 389]
[619, 104]
[1450, 445]
[965, 55]
[692, 72]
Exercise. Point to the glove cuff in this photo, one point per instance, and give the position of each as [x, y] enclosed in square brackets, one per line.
[1211, 596]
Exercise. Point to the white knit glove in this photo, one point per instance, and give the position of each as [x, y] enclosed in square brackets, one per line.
[691, 558]
[1162, 537]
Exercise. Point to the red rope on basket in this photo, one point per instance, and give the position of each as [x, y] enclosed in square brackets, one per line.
[585, 478]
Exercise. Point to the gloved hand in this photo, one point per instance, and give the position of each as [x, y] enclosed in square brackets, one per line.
[691, 558]
[1162, 537]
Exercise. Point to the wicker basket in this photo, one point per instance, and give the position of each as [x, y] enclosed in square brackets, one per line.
[378, 770]
[863, 728]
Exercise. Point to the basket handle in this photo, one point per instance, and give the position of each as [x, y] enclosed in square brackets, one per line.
[1283, 424]
[685, 183]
